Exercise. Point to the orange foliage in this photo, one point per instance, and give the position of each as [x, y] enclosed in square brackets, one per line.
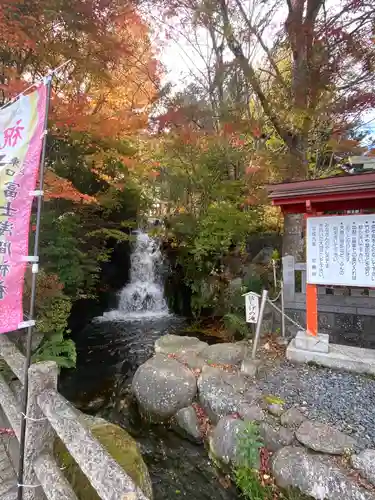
[121, 106]
[56, 187]
[113, 75]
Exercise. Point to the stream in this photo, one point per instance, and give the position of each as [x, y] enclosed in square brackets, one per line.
[109, 350]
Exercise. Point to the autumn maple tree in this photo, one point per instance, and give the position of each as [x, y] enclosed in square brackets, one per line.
[320, 61]
[301, 72]
[101, 99]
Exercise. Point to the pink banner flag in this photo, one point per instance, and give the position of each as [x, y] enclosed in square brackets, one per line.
[21, 138]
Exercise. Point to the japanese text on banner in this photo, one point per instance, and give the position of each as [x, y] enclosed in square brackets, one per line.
[21, 131]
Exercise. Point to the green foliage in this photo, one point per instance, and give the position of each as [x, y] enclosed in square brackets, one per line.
[247, 480]
[58, 349]
[108, 234]
[253, 283]
[63, 252]
[235, 324]
[203, 243]
[222, 227]
[247, 477]
[52, 307]
[249, 444]
[53, 315]
[276, 255]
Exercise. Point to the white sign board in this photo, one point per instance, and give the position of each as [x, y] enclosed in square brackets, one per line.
[252, 307]
[341, 250]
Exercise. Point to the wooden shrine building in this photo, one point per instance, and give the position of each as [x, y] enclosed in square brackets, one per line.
[346, 313]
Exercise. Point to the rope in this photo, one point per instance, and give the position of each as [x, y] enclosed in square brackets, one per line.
[28, 485]
[300, 327]
[289, 318]
[276, 298]
[33, 419]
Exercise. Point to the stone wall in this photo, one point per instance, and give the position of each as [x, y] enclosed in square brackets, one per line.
[345, 329]
[209, 393]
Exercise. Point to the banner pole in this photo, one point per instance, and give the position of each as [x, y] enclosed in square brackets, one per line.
[21, 465]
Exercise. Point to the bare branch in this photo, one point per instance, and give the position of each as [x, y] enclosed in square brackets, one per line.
[256, 33]
[249, 71]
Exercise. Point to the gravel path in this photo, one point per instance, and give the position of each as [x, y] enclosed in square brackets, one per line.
[345, 400]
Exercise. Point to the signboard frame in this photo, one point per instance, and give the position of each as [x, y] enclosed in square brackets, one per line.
[252, 317]
[366, 233]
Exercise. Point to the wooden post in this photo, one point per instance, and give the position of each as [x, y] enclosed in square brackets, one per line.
[39, 433]
[259, 323]
[312, 309]
[311, 300]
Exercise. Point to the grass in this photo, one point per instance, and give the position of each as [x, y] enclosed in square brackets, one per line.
[251, 487]
[254, 484]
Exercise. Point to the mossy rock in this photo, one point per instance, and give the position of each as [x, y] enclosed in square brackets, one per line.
[120, 445]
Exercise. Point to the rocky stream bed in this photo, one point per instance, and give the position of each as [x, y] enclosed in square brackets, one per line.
[109, 353]
[208, 393]
[318, 424]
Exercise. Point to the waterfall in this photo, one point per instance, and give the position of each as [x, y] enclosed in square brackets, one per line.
[143, 297]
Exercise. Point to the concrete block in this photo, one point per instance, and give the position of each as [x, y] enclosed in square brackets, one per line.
[307, 342]
[353, 359]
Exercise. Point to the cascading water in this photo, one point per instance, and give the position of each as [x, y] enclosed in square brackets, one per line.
[143, 297]
[110, 350]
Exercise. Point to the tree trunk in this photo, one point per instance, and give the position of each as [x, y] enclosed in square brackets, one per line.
[294, 224]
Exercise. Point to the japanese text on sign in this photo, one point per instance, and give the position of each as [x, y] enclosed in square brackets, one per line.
[341, 250]
[21, 133]
[252, 307]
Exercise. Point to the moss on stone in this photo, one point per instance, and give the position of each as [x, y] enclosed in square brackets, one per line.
[121, 446]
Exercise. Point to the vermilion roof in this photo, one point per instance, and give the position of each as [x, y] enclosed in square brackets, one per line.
[349, 192]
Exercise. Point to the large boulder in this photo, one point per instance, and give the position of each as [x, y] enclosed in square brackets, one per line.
[221, 393]
[251, 413]
[314, 475]
[235, 380]
[365, 463]
[163, 386]
[324, 438]
[275, 438]
[292, 418]
[223, 441]
[187, 424]
[225, 354]
[119, 444]
[174, 344]
[191, 360]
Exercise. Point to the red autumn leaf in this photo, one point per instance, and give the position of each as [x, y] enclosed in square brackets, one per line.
[56, 187]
